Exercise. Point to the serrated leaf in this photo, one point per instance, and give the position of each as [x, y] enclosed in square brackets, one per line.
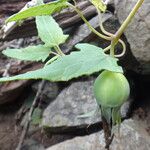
[43, 9]
[30, 53]
[88, 60]
[49, 31]
[99, 4]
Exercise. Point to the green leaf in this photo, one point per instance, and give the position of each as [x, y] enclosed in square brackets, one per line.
[85, 62]
[31, 53]
[43, 9]
[49, 31]
[99, 4]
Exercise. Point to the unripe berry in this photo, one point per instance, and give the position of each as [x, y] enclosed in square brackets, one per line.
[111, 89]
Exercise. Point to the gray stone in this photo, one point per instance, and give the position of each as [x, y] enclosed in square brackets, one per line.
[73, 101]
[31, 144]
[126, 108]
[50, 90]
[138, 31]
[131, 138]
[82, 32]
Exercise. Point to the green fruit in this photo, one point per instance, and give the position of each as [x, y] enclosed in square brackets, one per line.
[111, 89]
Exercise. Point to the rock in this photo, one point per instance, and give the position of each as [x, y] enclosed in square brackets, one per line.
[83, 32]
[31, 144]
[50, 90]
[63, 113]
[138, 31]
[73, 101]
[11, 91]
[77, 99]
[131, 138]
[126, 108]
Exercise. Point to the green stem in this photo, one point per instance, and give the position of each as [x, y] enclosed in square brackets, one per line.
[75, 3]
[55, 54]
[127, 21]
[88, 24]
[101, 23]
[112, 49]
[111, 35]
[58, 50]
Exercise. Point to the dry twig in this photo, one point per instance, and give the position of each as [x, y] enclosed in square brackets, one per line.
[27, 124]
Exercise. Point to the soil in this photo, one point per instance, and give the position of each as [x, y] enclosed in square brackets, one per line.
[8, 131]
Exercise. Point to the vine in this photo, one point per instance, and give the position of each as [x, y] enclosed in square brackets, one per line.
[61, 67]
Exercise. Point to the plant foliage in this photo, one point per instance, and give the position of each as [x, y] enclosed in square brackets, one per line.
[49, 31]
[31, 53]
[42, 9]
[88, 60]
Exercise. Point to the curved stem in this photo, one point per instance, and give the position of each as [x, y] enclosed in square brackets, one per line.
[117, 35]
[88, 24]
[55, 53]
[112, 49]
[114, 38]
[75, 3]
[127, 21]
[101, 24]
[58, 50]
[107, 48]
[123, 50]
[111, 35]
